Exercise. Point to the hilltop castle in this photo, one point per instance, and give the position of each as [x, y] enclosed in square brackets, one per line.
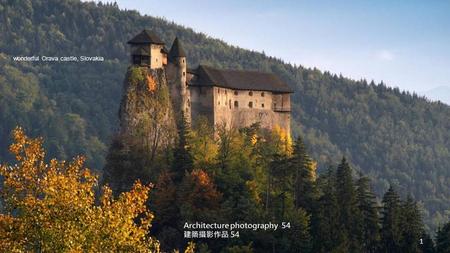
[235, 98]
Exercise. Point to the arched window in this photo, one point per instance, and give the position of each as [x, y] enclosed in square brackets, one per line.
[235, 92]
[262, 105]
[236, 104]
[250, 104]
[250, 93]
[262, 94]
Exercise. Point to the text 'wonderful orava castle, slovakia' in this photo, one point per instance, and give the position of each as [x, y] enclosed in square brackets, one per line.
[234, 98]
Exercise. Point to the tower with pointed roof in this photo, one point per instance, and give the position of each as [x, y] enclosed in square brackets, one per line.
[147, 49]
[177, 74]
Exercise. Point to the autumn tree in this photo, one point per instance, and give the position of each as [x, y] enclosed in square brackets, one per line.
[51, 207]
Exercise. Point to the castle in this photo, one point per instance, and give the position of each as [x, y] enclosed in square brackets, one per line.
[235, 98]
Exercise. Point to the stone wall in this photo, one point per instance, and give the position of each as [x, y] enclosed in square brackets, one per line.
[242, 108]
[156, 57]
[201, 103]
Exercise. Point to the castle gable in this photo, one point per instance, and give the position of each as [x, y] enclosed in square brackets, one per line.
[146, 37]
[239, 80]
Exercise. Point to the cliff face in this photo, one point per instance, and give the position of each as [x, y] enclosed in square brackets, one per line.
[146, 114]
[147, 129]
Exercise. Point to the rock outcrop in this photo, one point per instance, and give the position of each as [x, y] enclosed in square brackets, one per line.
[147, 129]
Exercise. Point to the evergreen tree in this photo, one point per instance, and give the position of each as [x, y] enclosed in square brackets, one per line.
[411, 225]
[348, 206]
[391, 233]
[124, 165]
[443, 239]
[427, 244]
[368, 210]
[327, 230]
[182, 161]
[304, 189]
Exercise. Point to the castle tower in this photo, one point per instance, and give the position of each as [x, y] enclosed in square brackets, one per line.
[176, 72]
[147, 49]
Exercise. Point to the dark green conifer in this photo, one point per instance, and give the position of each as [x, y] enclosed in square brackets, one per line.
[301, 164]
[183, 161]
[426, 244]
[443, 239]
[369, 217]
[391, 233]
[411, 225]
[348, 206]
[327, 231]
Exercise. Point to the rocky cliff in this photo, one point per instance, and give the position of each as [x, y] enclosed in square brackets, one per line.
[147, 128]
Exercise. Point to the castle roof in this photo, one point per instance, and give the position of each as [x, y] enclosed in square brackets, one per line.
[141, 50]
[146, 37]
[239, 79]
[164, 50]
[176, 50]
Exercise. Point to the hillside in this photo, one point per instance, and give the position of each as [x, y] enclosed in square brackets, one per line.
[441, 93]
[393, 136]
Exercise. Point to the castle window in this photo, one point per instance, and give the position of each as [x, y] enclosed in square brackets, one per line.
[235, 92]
[218, 90]
[250, 93]
[236, 104]
[250, 104]
[262, 105]
[262, 94]
[183, 60]
[229, 103]
[184, 73]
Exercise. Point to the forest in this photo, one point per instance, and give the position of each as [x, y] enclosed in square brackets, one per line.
[393, 137]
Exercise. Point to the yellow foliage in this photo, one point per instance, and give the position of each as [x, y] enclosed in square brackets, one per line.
[51, 207]
[313, 170]
[282, 139]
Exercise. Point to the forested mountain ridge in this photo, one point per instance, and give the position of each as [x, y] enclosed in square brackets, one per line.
[393, 136]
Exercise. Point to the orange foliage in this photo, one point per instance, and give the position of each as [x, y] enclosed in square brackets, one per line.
[51, 207]
[151, 84]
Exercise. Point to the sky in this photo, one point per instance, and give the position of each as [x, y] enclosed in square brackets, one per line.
[404, 43]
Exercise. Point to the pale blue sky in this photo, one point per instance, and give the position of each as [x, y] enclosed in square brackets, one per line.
[404, 43]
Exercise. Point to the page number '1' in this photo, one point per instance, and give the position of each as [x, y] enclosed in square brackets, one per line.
[421, 241]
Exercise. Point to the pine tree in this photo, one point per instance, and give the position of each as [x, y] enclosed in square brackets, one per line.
[183, 161]
[348, 206]
[124, 165]
[391, 233]
[326, 229]
[302, 164]
[443, 239]
[368, 209]
[412, 227]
